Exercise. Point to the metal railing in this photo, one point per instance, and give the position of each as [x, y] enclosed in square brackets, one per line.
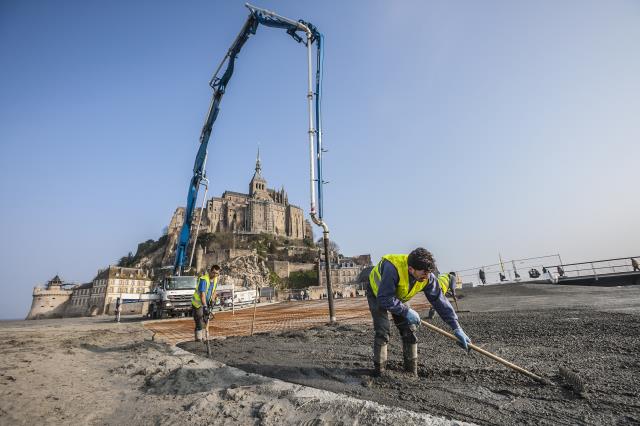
[594, 268]
[519, 270]
[513, 270]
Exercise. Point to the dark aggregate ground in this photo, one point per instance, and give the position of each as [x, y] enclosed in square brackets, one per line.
[599, 340]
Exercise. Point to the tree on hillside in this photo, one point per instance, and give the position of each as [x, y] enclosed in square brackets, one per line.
[126, 261]
[333, 246]
[302, 279]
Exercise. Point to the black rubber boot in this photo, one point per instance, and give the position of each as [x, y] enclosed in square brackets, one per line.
[410, 355]
[379, 359]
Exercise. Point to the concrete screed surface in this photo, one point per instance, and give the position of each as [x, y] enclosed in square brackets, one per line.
[592, 331]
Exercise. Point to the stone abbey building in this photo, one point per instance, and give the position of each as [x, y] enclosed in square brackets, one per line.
[262, 210]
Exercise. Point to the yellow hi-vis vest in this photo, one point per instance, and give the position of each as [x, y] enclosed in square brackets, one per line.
[196, 302]
[445, 282]
[402, 289]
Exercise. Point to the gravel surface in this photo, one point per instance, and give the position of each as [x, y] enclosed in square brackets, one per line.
[594, 333]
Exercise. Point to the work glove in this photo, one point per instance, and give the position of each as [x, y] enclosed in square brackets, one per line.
[412, 317]
[205, 311]
[463, 339]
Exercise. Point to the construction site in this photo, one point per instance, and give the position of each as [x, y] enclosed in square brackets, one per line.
[298, 369]
[545, 328]
[239, 315]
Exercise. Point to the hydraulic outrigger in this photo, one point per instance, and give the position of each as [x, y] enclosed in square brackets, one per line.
[308, 36]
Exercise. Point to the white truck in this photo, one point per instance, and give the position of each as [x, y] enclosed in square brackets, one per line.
[172, 297]
[236, 298]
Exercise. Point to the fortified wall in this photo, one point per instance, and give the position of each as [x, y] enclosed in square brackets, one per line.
[95, 298]
[51, 301]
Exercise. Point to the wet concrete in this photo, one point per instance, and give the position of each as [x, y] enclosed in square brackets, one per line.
[592, 332]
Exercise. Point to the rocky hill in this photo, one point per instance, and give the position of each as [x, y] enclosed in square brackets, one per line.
[243, 258]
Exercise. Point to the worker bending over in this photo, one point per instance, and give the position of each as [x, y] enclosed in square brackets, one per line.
[202, 299]
[447, 283]
[392, 283]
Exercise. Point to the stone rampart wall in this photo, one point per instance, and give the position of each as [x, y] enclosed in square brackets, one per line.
[48, 303]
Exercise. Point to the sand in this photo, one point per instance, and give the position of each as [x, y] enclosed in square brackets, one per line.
[94, 371]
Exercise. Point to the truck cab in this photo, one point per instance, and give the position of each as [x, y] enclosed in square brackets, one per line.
[174, 295]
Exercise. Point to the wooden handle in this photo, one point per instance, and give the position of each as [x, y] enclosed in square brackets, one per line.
[489, 354]
[455, 299]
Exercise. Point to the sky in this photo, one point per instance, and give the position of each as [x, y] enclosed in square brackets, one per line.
[469, 128]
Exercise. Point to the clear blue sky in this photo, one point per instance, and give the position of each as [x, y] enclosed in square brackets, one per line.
[465, 127]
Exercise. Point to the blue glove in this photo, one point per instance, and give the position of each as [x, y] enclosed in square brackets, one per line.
[463, 339]
[412, 317]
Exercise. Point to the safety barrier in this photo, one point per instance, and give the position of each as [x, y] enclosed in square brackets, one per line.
[543, 269]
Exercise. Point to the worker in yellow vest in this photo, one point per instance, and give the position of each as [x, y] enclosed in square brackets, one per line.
[447, 283]
[392, 283]
[202, 299]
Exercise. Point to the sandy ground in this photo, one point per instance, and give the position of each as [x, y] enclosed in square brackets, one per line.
[93, 371]
[593, 332]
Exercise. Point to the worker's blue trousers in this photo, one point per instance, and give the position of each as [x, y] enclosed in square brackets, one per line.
[382, 326]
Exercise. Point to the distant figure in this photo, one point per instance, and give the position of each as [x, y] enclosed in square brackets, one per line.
[560, 271]
[502, 277]
[517, 275]
[544, 270]
[447, 283]
[118, 309]
[534, 273]
[635, 265]
[481, 275]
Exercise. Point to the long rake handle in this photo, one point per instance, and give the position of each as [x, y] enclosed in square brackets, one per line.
[207, 339]
[455, 299]
[489, 354]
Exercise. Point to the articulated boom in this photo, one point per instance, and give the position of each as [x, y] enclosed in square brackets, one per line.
[219, 84]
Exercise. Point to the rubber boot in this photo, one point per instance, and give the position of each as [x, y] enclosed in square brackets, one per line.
[410, 355]
[379, 359]
[198, 335]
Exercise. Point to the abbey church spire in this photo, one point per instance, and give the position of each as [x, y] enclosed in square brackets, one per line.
[258, 165]
[258, 185]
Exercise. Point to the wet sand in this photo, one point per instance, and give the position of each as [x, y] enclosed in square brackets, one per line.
[593, 332]
[92, 371]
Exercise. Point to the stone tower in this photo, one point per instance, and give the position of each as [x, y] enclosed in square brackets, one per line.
[258, 184]
[51, 301]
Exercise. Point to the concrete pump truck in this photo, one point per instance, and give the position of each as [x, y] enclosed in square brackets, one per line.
[174, 293]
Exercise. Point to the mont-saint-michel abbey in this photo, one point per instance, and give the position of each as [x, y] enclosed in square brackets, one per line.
[262, 210]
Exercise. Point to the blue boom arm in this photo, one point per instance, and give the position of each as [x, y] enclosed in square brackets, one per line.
[219, 85]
